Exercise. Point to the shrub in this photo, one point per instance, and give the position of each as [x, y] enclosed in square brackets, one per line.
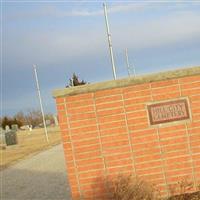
[184, 190]
[127, 187]
[74, 81]
[179, 191]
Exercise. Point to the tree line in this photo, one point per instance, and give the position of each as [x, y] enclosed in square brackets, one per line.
[34, 117]
[31, 117]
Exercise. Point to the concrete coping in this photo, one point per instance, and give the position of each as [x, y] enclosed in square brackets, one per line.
[161, 76]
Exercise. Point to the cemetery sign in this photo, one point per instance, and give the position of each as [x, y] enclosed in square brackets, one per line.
[168, 111]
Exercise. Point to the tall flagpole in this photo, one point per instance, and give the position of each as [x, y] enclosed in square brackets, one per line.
[128, 66]
[40, 100]
[127, 63]
[109, 42]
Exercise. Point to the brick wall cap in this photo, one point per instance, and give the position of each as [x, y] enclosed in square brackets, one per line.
[161, 76]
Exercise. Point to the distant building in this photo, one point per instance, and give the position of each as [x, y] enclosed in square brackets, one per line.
[25, 127]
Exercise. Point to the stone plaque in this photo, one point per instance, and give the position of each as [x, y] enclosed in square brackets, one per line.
[168, 111]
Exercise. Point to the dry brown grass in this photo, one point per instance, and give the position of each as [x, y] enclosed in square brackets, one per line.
[128, 187]
[183, 190]
[29, 143]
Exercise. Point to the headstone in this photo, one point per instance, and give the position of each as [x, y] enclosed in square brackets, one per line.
[7, 128]
[30, 128]
[2, 137]
[14, 127]
[1, 130]
[48, 122]
[55, 120]
[11, 138]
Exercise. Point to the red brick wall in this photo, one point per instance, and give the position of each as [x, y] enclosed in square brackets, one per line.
[107, 132]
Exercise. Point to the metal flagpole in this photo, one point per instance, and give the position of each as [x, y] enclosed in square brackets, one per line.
[40, 100]
[134, 70]
[127, 62]
[109, 42]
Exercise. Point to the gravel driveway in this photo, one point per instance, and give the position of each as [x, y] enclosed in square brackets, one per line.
[41, 177]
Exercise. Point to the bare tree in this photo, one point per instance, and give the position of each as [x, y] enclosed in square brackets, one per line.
[31, 117]
[49, 117]
[9, 121]
[20, 116]
[34, 117]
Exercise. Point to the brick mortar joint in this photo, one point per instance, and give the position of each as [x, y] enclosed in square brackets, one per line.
[191, 158]
[128, 133]
[163, 167]
[73, 154]
[99, 134]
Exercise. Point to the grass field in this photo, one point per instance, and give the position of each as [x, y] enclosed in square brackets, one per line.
[29, 143]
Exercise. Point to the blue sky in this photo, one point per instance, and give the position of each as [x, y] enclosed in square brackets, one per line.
[62, 37]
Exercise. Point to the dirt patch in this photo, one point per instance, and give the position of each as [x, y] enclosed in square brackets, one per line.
[29, 143]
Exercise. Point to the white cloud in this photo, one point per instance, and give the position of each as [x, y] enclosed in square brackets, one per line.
[61, 46]
[116, 7]
[165, 30]
[53, 11]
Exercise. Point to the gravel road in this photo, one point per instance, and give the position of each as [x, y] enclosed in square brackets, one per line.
[41, 177]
